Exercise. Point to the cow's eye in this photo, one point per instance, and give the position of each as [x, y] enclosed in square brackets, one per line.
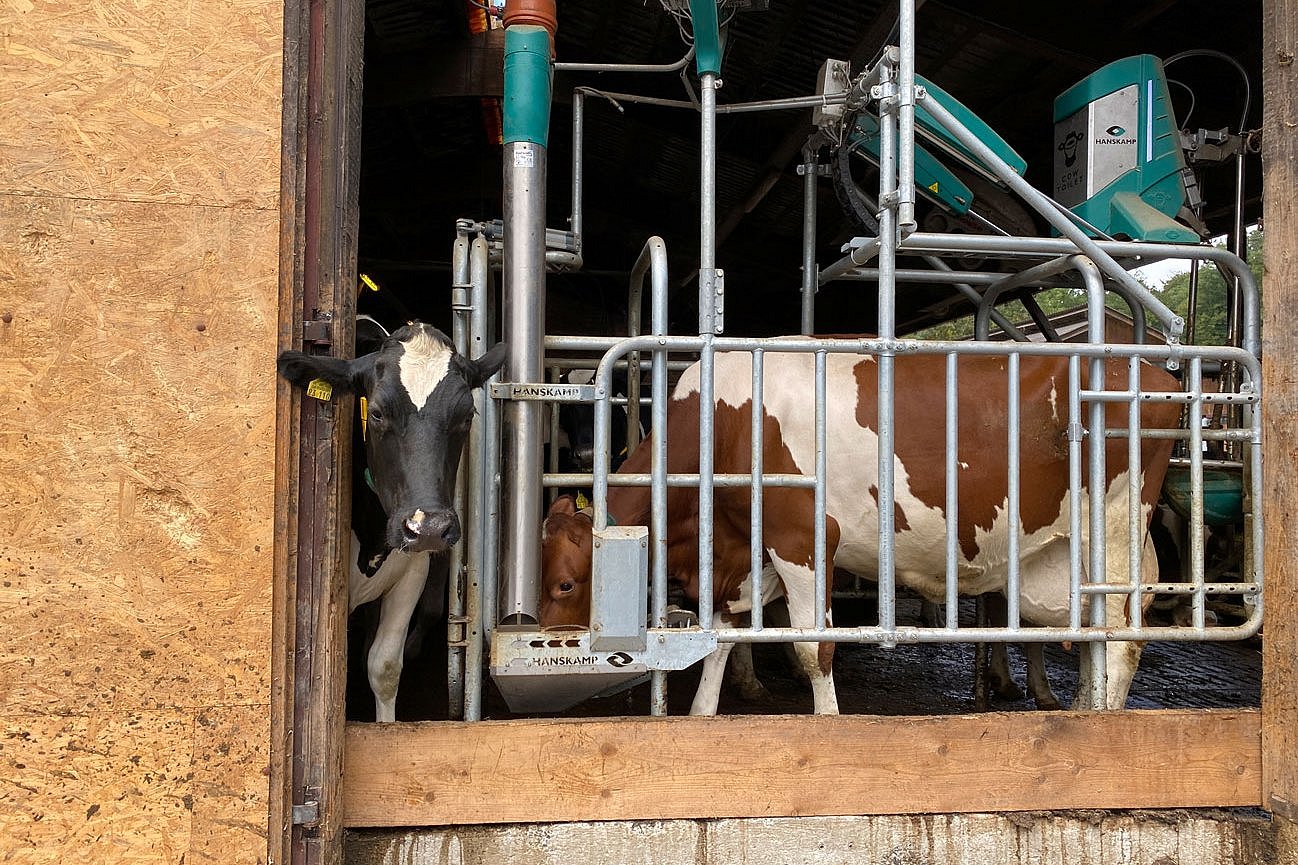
[376, 414]
[566, 586]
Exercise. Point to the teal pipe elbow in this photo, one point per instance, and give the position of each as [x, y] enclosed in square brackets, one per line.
[526, 110]
[707, 37]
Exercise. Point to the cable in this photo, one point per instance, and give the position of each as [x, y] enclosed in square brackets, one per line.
[1185, 121]
[1220, 55]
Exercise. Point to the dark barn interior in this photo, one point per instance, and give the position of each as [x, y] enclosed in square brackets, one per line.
[431, 126]
[432, 154]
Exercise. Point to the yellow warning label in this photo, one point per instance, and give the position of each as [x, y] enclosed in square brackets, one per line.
[933, 188]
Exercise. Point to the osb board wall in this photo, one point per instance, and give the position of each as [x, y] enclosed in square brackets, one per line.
[139, 227]
[144, 100]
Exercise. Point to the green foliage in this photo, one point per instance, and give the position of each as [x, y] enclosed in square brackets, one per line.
[1210, 328]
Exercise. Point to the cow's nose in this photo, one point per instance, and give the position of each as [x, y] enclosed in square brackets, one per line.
[436, 530]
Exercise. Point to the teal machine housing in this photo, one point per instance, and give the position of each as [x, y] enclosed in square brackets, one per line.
[1117, 156]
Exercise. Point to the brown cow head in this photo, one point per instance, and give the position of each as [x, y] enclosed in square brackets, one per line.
[565, 566]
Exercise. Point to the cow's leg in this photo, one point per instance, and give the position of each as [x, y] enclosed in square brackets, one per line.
[815, 659]
[743, 673]
[387, 653]
[1038, 681]
[714, 670]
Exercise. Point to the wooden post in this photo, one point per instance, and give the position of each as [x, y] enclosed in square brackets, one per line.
[1280, 383]
[319, 212]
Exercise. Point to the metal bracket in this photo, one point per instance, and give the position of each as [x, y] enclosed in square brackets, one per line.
[318, 330]
[457, 631]
[719, 301]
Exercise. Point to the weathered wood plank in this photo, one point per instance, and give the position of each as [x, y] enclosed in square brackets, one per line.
[1280, 380]
[757, 766]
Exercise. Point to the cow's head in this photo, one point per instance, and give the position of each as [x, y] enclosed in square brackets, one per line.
[419, 409]
[565, 566]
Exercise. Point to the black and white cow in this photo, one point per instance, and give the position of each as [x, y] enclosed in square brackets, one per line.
[418, 406]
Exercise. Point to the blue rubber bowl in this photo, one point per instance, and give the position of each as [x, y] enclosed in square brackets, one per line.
[1223, 494]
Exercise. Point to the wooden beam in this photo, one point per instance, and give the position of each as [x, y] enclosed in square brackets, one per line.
[1280, 415]
[763, 766]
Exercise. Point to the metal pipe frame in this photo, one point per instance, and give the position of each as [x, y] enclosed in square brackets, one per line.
[456, 621]
[627, 67]
[1095, 630]
[887, 330]
[809, 178]
[1052, 246]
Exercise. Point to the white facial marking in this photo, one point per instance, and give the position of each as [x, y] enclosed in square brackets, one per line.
[1054, 401]
[424, 364]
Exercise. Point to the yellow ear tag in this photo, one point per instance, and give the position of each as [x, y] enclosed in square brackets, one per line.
[368, 282]
[582, 501]
[365, 416]
[320, 389]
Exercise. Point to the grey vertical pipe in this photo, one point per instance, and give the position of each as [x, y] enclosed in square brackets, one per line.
[707, 328]
[475, 532]
[808, 241]
[1012, 499]
[952, 492]
[455, 581]
[635, 304]
[553, 434]
[653, 258]
[491, 461]
[578, 144]
[1074, 491]
[755, 497]
[1196, 491]
[906, 119]
[524, 325]
[1098, 569]
[1192, 304]
[822, 479]
[1135, 515]
[887, 330]
[658, 494]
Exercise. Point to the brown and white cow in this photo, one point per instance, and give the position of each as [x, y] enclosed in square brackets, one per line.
[852, 500]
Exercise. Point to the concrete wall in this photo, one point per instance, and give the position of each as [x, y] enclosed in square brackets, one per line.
[139, 184]
[1063, 838]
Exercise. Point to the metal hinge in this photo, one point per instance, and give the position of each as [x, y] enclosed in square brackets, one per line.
[307, 814]
[318, 330]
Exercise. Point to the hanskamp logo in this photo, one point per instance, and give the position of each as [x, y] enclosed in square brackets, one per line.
[1116, 134]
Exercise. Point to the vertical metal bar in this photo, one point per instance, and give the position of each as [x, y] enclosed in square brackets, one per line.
[1135, 515]
[476, 471]
[821, 480]
[952, 492]
[455, 581]
[578, 144]
[1196, 490]
[1098, 566]
[658, 467]
[491, 461]
[707, 328]
[756, 541]
[906, 119]
[1012, 503]
[887, 330]
[1074, 491]
[808, 241]
[553, 493]
[707, 413]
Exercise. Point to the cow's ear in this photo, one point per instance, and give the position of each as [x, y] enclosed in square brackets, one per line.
[478, 371]
[563, 506]
[344, 376]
